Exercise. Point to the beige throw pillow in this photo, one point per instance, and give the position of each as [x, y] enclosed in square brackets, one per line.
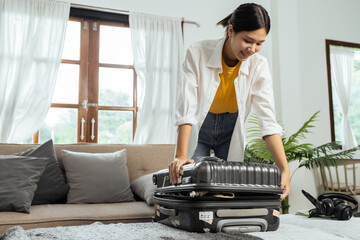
[97, 177]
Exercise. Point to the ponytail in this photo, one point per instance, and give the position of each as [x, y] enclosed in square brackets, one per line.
[225, 21]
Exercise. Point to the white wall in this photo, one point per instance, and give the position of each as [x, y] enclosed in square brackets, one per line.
[299, 50]
[295, 48]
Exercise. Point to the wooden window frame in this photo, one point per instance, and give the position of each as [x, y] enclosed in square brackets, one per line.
[83, 75]
[93, 90]
[89, 72]
[328, 43]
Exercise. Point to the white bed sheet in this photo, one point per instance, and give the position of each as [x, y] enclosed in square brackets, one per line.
[298, 227]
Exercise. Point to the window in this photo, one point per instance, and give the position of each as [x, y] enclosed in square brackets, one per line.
[335, 110]
[95, 94]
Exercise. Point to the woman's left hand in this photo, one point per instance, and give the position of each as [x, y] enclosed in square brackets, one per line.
[285, 184]
[276, 149]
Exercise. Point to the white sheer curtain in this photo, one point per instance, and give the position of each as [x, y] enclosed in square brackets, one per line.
[342, 63]
[158, 55]
[32, 34]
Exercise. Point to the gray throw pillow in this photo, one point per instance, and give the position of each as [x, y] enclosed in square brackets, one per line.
[19, 176]
[144, 188]
[97, 177]
[52, 187]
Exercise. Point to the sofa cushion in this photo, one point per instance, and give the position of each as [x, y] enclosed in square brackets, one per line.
[19, 176]
[97, 177]
[52, 187]
[144, 188]
[52, 215]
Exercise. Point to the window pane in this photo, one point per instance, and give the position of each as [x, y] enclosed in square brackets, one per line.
[60, 125]
[27, 141]
[354, 110]
[115, 45]
[72, 41]
[116, 87]
[67, 84]
[115, 127]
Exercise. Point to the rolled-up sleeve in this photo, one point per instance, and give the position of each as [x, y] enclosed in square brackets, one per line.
[187, 99]
[263, 100]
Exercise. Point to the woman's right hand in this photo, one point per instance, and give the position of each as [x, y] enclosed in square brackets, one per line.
[174, 168]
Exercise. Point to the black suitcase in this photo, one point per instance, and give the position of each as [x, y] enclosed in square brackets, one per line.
[214, 195]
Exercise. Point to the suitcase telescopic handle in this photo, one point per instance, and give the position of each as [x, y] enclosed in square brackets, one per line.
[168, 211]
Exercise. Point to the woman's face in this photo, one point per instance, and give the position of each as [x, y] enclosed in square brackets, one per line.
[245, 43]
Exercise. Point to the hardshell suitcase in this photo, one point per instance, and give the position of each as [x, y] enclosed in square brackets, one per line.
[215, 196]
[213, 174]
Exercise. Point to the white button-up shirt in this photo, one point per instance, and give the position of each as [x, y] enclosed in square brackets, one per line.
[199, 84]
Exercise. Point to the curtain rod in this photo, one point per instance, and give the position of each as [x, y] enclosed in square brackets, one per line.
[111, 10]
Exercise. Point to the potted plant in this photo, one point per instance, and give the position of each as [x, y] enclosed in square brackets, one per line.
[307, 154]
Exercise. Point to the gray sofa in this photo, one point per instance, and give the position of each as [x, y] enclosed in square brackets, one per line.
[141, 160]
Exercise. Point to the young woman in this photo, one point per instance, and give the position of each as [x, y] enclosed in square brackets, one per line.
[222, 81]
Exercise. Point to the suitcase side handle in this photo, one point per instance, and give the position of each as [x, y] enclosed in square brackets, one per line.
[242, 225]
[168, 211]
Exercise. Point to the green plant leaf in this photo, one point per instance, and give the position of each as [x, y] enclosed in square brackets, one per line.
[301, 133]
[327, 159]
[307, 154]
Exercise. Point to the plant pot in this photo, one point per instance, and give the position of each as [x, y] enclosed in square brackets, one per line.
[285, 205]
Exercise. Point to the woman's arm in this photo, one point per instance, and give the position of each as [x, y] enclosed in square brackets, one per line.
[184, 132]
[264, 106]
[276, 149]
[187, 103]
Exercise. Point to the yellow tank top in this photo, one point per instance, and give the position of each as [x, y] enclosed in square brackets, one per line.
[225, 98]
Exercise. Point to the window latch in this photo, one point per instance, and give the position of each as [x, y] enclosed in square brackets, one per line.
[85, 104]
[85, 24]
[95, 26]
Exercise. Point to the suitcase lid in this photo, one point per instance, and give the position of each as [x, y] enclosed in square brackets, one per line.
[217, 175]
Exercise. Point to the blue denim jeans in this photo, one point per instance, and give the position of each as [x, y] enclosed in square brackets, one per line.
[215, 133]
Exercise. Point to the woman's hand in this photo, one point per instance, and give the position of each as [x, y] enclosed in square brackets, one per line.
[285, 184]
[277, 151]
[174, 168]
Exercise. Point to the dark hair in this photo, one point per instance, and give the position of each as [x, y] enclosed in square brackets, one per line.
[247, 17]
